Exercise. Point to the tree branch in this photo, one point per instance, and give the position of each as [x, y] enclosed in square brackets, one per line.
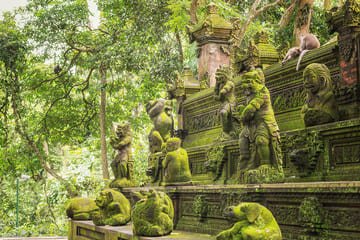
[285, 19]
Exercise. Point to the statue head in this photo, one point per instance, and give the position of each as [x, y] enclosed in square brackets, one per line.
[155, 107]
[223, 74]
[252, 81]
[244, 211]
[317, 78]
[104, 198]
[121, 129]
[173, 144]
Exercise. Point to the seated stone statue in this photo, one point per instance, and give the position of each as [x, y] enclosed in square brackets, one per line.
[153, 214]
[225, 93]
[253, 222]
[114, 209]
[122, 165]
[80, 208]
[320, 106]
[260, 153]
[176, 164]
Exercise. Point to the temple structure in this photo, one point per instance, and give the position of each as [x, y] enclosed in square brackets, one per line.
[305, 126]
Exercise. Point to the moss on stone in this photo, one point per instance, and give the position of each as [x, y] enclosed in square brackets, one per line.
[153, 215]
[80, 208]
[114, 209]
[254, 222]
[176, 163]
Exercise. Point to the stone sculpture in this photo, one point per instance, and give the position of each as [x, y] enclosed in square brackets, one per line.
[176, 164]
[320, 106]
[81, 208]
[122, 165]
[153, 214]
[225, 93]
[260, 153]
[253, 222]
[160, 113]
[114, 209]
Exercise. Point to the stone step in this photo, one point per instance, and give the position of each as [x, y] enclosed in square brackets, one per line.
[86, 230]
[33, 238]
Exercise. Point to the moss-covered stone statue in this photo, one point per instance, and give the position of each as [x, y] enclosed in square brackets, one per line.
[225, 93]
[176, 164]
[260, 153]
[114, 209]
[81, 208]
[320, 106]
[160, 113]
[253, 222]
[122, 165]
[153, 215]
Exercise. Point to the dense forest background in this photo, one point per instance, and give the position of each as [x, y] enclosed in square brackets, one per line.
[65, 77]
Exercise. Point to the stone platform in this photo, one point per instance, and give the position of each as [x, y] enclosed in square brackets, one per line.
[314, 210]
[85, 230]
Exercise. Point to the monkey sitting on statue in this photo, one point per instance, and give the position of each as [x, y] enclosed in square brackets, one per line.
[307, 42]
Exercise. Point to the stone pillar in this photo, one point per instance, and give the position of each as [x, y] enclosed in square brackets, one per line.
[346, 21]
[212, 36]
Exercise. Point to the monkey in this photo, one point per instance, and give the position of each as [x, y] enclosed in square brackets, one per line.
[308, 42]
[291, 54]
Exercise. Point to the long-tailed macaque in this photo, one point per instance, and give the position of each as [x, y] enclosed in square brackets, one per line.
[308, 42]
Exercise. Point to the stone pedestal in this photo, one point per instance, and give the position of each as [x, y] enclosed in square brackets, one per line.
[86, 230]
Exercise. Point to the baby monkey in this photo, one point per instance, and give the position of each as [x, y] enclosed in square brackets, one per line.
[308, 42]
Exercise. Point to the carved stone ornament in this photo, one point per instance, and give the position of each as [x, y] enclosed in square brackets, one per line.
[346, 47]
[304, 150]
[312, 215]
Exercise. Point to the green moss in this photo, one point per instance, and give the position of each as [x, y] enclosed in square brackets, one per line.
[153, 215]
[114, 209]
[80, 208]
[254, 222]
[176, 163]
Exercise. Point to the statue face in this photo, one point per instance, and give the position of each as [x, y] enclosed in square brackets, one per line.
[311, 81]
[101, 200]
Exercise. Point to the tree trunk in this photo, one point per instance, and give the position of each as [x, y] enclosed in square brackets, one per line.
[104, 162]
[193, 8]
[180, 49]
[303, 19]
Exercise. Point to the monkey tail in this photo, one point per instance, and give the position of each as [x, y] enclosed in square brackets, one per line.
[300, 58]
